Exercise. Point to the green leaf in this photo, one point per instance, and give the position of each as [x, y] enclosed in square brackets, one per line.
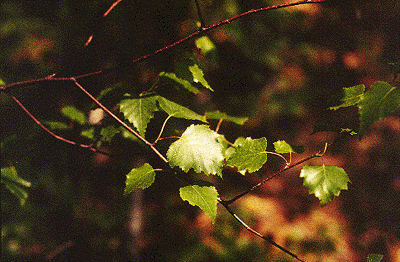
[178, 111]
[198, 148]
[348, 130]
[74, 114]
[186, 84]
[89, 133]
[205, 44]
[198, 76]
[377, 103]
[352, 95]
[14, 183]
[56, 125]
[249, 154]
[139, 111]
[374, 258]
[220, 115]
[141, 177]
[205, 197]
[282, 147]
[324, 182]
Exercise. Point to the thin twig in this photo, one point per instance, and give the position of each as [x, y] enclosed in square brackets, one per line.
[104, 15]
[218, 125]
[122, 123]
[202, 23]
[162, 129]
[161, 50]
[90, 146]
[318, 154]
[227, 207]
[281, 156]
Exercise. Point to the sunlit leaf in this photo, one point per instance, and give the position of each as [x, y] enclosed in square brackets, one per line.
[377, 103]
[220, 115]
[352, 95]
[74, 114]
[205, 44]
[139, 111]
[178, 111]
[325, 182]
[14, 183]
[249, 154]
[198, 76]
[283, 147]
[374, 258]
[205, 197]
[199, 149]
[141, 177]
[186, 84]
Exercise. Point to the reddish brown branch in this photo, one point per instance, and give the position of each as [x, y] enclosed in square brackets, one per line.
[122, 123]
[90, 146]
[227, 207]
[179, 42]
[104, 15]
[319, 154]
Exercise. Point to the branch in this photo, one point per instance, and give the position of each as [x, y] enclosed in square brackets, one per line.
[318, 154]
[90, 146]
[227, 207]
[161, 50]
[122, 123]
[202, 23]
[104, 15]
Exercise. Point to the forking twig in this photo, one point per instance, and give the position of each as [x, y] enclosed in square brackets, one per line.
[318, 154]
[161, 50]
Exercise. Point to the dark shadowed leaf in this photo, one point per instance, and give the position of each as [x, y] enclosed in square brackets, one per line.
[141, 177]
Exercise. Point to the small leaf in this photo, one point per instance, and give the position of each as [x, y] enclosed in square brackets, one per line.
[220, 115]
[186, 84]
[89, 133]
[74, 114]
[377, 103]
[139, 111]
[249, 154]
[15, 184]
[205, 197]
[324, 182]
[198, 76]
[205, 44]
[282, 147]
[56, 125]
[374, 258]
[178, 111]
[352, 95]
[141, 177]
[198, 148]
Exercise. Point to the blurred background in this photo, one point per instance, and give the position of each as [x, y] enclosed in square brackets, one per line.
[280, 68]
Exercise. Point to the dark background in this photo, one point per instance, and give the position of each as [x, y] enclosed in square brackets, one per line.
[280, 68]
